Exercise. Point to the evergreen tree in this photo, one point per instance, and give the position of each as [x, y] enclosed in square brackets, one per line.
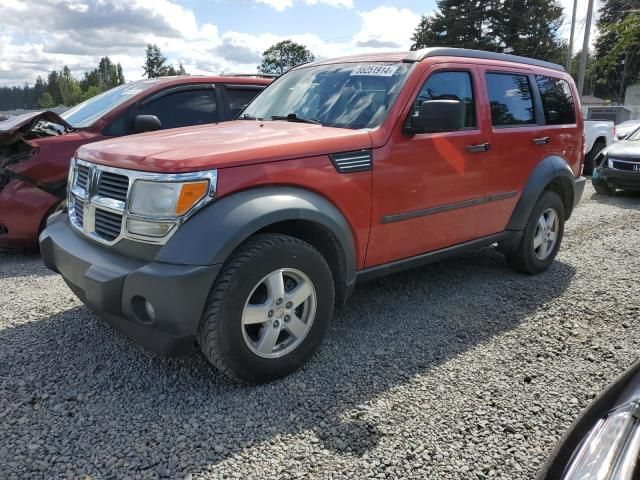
[528, 28]
[155, 62]
[283, 56]
[181, 70]
[54, 88]
[457, 23]
[617, 62]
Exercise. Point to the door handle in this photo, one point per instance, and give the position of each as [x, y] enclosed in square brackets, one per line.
[541, 141]
[483, 147]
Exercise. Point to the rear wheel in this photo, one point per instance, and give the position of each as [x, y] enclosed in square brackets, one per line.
[590, 158]
[269, 310]
[542, 236]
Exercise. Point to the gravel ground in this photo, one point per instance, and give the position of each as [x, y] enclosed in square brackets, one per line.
[457, 370]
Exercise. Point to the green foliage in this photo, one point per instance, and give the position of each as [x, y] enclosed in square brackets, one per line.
[616, 64]
[155, 64]
[62, 88]
[46, 101]
[283, 56]
[522, 27]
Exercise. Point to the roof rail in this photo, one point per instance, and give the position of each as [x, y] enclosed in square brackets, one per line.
[251, 75]
[419, 55]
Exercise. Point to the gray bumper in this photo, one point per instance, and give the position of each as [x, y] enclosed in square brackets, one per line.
[617, 178]
[115, 287]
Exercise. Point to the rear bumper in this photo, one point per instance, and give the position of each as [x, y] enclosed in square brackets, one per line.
[116, 288]
[616, 178]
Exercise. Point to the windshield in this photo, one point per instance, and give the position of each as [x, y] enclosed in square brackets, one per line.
[87, 112]
[353, 95]
[635, 135]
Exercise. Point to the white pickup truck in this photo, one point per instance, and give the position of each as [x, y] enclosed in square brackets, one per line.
[598, 134]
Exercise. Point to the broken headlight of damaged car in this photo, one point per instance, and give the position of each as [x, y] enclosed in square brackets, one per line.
[604, 442]
[109, 204]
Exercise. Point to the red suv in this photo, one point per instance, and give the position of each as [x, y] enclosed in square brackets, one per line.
[244, 236]
[36, 148]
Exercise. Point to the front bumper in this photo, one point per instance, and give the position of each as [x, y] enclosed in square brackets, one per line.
[116, 287]
[614, 178]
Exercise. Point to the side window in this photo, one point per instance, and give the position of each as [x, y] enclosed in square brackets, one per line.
[181, 109]
[239, 97]
[117, 127]
[557, 101]
[450, 86]
[510, 99]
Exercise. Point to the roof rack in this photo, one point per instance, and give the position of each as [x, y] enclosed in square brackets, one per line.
[419, 55]
[251, 75]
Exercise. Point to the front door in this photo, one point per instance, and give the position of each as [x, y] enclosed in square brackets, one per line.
[428, 189]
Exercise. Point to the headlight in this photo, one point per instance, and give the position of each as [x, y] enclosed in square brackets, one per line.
[169, 199]
[610, 451]
[610, 163]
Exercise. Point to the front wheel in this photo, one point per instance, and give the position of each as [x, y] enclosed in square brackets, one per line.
[269, 309]
[541, 237]
[590, 158]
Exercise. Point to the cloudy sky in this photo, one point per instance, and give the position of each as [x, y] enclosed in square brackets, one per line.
[207, 36]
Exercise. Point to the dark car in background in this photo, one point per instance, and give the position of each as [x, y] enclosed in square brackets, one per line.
[618, 166]
[36, 148]
[604, 442]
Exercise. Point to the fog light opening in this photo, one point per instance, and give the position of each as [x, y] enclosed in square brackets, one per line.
[143, 309]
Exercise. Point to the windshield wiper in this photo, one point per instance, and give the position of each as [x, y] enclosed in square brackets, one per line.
[292, 117]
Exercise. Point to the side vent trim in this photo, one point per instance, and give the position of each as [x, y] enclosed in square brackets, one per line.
[352, 162]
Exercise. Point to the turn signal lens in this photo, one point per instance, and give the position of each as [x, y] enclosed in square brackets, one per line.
[190, 194]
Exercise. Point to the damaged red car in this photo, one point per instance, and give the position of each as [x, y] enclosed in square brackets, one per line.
[36, 148]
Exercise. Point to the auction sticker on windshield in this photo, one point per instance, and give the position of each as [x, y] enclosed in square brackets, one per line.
[374, 70]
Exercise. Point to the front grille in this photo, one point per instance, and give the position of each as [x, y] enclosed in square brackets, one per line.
[112, 185]
[629, 166]
[79, 212]
[82, 176]
[108, 224]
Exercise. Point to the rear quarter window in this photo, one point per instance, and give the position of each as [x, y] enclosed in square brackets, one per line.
[557, 100]
[510, 99]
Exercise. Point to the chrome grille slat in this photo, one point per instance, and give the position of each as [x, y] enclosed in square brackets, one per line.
[108, 224]
[82, 175]
[114, 186]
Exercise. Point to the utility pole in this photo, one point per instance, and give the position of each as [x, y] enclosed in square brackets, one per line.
[573, 31]
[585, 49]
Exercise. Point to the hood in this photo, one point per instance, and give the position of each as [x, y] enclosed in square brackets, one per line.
[216, 146]
[624, 149]
[21, 126]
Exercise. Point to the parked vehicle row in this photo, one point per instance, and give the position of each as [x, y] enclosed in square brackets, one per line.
[36, 148]
[244, 236]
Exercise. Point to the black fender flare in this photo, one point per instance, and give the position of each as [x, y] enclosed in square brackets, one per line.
[212, 234]
[549, 170]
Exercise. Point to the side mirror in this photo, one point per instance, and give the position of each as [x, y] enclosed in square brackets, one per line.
[146, 123]
[437, 116]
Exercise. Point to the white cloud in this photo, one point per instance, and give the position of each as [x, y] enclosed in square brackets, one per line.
[78, 32]
[387, 27]
[281, 5]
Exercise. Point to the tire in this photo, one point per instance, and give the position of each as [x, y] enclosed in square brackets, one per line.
[527, 257]
[602, 188]
[590, 158]
[233, 335]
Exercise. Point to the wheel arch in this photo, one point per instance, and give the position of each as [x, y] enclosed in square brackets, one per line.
[214, 233]
[551, 174]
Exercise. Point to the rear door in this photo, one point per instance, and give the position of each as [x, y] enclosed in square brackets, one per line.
[515, 141]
